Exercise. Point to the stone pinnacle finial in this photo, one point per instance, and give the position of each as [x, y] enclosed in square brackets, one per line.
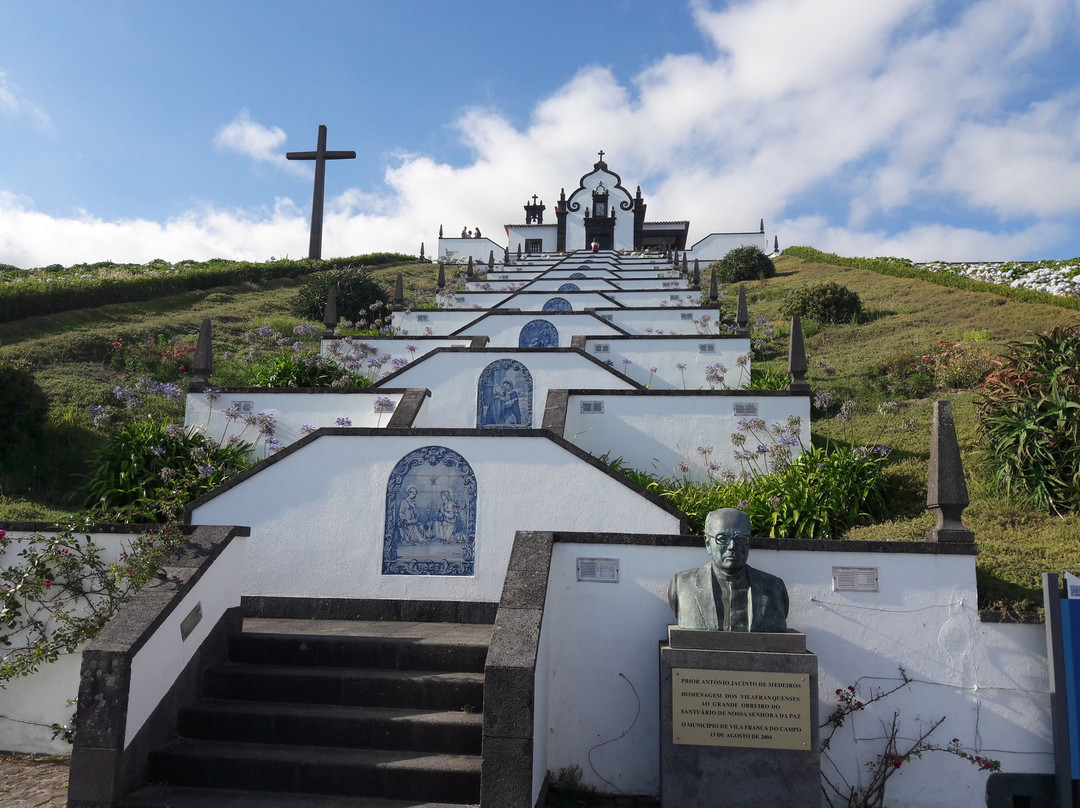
[330, 313]
[714, 293]
[697, 274]
[506, 255]
[675, 258]
[440, 231]
[742, 314]
[797, 364]
[491, 260]
[776, 244]
[422, 251]
[946, 491]
[441, 283]
[469, 268]
[519, 252]
[685, 264]
[204, 354]
[762, 225]
[399, 291]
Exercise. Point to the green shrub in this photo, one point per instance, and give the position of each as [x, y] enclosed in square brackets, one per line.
[743, 264]
[1029, 413]
[825, 302]
[820, 495]
[293, 370]
[359, 296]
[768, 379]
[149, 470]
[23, 407]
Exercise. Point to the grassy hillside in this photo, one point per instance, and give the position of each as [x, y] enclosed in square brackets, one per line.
[68, 351]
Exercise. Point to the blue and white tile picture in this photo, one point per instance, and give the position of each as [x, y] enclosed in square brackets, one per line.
[430, 515]
[558, 304]
[538, 334]
[577, 276]
[569, 287]
[504, 396]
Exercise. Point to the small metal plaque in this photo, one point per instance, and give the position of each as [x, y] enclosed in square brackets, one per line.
[761, 710]
[243, 407]
[187, 625]
[592, 407]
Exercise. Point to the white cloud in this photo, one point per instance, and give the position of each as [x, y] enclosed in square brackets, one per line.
[14, 105]
[824, 117]
[261, 143]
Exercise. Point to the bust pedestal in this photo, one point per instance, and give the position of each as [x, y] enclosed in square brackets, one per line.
[738, 720]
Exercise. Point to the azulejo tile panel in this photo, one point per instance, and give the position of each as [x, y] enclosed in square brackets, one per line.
[430, 526]
[504, 396]
[538, 334]
[558, 304]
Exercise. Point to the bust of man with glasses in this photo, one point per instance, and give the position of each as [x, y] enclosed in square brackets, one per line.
[727, 594]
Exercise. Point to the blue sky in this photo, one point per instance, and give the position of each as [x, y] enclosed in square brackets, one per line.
[140, 130]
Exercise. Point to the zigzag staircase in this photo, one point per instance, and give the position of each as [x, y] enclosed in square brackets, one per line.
[342, 713]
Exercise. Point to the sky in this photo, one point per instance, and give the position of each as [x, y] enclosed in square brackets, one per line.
[132, 130]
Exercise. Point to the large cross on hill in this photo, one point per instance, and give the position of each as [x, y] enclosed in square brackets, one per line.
[320, 156]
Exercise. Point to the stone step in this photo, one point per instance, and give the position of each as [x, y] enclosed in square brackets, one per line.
[428, 690]
[178, 797]
[400, 775]
[333, 725]
[427, 652]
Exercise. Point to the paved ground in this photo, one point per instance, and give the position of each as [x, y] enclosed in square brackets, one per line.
[28, 781]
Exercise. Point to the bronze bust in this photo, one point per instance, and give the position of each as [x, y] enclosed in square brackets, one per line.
[727, 594]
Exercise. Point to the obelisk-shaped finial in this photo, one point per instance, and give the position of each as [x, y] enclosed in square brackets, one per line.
[204, 354]
[797, 364]
[946, 490]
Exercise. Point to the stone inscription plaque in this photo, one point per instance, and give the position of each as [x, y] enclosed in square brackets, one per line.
[740, 708]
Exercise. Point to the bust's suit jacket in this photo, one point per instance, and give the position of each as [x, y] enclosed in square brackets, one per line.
[690, 594]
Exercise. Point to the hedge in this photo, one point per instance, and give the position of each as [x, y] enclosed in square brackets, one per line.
[899, 269]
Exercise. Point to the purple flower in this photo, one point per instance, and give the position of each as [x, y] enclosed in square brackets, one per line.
[680, 366]
[174, 431]
[384, 404]
[212, 395]
[306, 429]
[206, 471]
[343, 421]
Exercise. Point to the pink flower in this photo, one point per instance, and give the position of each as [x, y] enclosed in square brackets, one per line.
[47, 582]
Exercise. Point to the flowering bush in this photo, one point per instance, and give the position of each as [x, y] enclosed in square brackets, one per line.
[148, 470]
[60, 592]
[162, 359]
[913, 373]
[870, 793]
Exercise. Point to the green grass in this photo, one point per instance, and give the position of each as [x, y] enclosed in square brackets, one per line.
[68, 351]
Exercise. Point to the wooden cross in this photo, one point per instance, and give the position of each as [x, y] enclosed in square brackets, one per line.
[320, 156]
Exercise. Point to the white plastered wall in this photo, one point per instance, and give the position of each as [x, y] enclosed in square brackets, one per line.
[461, 249]
[317, 515]
[662, 320]
[655, 433]
[504, 330]
[989, 680]
[716, 245]
[649, 298]
[437, 323]
[291, 410]
[624, 219]
[156, 665]
[667, 353]
[453, 376]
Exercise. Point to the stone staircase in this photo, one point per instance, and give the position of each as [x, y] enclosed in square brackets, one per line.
[342, 713]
